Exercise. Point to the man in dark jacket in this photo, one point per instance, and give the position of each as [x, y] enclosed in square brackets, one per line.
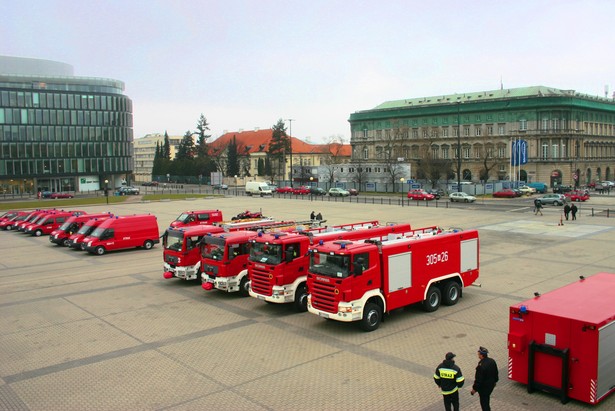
[485, 379]
[449, 378]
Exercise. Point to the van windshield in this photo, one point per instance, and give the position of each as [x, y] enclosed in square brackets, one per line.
[266, 253]
[98, 232]
[86, 229]
[183, 217]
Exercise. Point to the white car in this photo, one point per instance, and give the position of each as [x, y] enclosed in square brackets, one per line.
[338, 192]
[527, 190]
[461, 197]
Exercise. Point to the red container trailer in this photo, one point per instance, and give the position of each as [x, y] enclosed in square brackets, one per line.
[563, 341]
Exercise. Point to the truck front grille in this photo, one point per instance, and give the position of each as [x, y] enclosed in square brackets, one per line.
[323, 297]
[260, 282]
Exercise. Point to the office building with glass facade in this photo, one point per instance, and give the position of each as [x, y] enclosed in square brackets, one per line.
[60, 132]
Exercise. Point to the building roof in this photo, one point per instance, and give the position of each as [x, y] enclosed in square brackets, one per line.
[257, 141]
[503, 93]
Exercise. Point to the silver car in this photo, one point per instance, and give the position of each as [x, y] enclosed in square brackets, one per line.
[555, 199]
[338, 192]
[461, 197]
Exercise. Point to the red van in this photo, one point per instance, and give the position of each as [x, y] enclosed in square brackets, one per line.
[76, 240]
[60, 235]
[9, 224]
[49, 222]
[33, 218]
[122, 232]
[202, 217]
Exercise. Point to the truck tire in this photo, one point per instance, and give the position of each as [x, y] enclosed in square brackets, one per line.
[432, 302]
[301, 296]
[244, 287]
[372, 316]
[100, 250]
[148, 244]
[451, 293]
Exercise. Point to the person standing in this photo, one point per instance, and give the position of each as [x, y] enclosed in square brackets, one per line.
[566, 211]
[537, 207]
[313, 216]
[449, 378]
[573, 211]
[485, 378]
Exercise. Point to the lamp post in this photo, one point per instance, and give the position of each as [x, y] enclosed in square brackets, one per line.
[459, 146]
[402, 181]
[290, 138]
[107, 191]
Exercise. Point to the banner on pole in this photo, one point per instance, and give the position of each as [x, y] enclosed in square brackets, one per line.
[518, 155]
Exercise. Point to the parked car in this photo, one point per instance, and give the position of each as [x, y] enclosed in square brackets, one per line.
[555, 199]
[317, 191]
[46, 194]
[338, 192]
[461, 197]
[562, 189]
[62, 195]
[420, 195]
[303, 190]
[127, 190]
[284, 190]
[527, 190]
[150, 184]
[436, 192]
[505, 193]
[220, 187]
[353, 192]
[577, 196]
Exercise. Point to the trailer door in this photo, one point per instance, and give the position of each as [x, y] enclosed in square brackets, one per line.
[469, 255]
[606, 360]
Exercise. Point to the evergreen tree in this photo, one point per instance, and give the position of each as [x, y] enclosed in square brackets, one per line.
[261, 167]
[232, 164]
[157, 160]
[202, 128]
[186, 149]
[267, 168]
[166, 150]
[278, 147]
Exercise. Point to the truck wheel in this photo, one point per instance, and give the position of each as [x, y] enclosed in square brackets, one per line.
[148, 244]
[244, 287]
[372, 315]
[451, 294]
[100, 250]
[432, 302]
[301, 296]
[38, 233]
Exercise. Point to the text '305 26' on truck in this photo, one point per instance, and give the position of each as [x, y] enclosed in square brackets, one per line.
[361, 280]
[279, 262]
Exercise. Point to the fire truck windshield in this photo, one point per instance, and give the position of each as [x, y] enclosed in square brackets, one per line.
[330, 265]
[266, 253]
[173, 240]
[213, 248]
[183, 217]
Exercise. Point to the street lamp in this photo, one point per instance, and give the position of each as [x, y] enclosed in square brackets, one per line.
[459, 146]
[402, 181]
[107, 191]
[290, 137]
[311, 180]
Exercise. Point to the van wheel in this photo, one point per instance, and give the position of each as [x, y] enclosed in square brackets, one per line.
[100, 250]
[432, 302]
[38, 233]
[148, 244]
[372, 315]
[244, 286]
[451, 294]
[66, 242]
[301, 297]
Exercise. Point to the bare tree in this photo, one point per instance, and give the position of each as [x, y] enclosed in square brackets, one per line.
[333, 157]
[431, 168]
[392, 152]
[489, 161]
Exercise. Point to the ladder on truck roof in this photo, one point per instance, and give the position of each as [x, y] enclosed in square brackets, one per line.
[244, 224]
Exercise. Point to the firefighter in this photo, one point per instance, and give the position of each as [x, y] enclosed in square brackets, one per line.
[312, 216]
[485, 378]
[449, 378]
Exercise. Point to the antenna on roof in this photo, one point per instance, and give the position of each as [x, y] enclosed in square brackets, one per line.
[501, 84]
[606, 91]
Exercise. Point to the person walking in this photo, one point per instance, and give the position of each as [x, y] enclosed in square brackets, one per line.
[313, 216]
[566, 211]
[449, 378]
[485, 378]
[573, 211]
[537, 207]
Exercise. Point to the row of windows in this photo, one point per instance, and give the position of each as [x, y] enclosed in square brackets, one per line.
[64, 133]
[63, 150]
[64, 117]
[23, 168]
[26, 99]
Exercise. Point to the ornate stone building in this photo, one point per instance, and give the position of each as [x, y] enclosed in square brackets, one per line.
[570, 137]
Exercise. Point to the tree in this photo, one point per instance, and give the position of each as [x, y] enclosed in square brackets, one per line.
[333, 158]
[186, 149]
[278, 147]
[261, 167]
[202, 127]
[232, 160]
[166, 149]
[489, 161]
[393, 153]
[431, 168]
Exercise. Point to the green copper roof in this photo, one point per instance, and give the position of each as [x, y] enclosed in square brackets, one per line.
[506, 93]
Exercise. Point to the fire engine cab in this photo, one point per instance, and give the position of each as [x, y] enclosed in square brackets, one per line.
[362, 280]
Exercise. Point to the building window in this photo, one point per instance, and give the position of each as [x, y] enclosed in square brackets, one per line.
[555, 124]
[489, 130]
[434, 152]
[456, 132]
[545, 151]
[445, 132]
[501, 130]
[501, 152]
[554, 152]
[478, 131]
[425, 135]
[466, 131]
[364, 133]
[434, 133]
[445, 153]
[466, 152]
[365, 156]
[476, 152]
[415, 133]
[545, 124]
[523, 124]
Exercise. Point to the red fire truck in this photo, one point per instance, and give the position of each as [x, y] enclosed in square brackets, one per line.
[563, 342]
[279, 262]
[225, 256]
[362, 280]
[182, 254]
[200, 217]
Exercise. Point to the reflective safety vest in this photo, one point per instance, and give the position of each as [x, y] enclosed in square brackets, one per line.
[448, 378]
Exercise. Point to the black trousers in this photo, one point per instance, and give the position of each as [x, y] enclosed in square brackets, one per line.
[451, 400]
[484, 399]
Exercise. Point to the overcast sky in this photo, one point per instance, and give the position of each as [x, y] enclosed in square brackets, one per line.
[246, 64]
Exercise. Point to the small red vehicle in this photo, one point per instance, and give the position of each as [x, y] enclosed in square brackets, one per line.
[577, 196]
[420, 195]
[9, 224]
[61, 235]
[506, 193]
[61, 195]
[50, 222]
[8, 215]
[201, 217]
[284, 190]
[303, 190]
